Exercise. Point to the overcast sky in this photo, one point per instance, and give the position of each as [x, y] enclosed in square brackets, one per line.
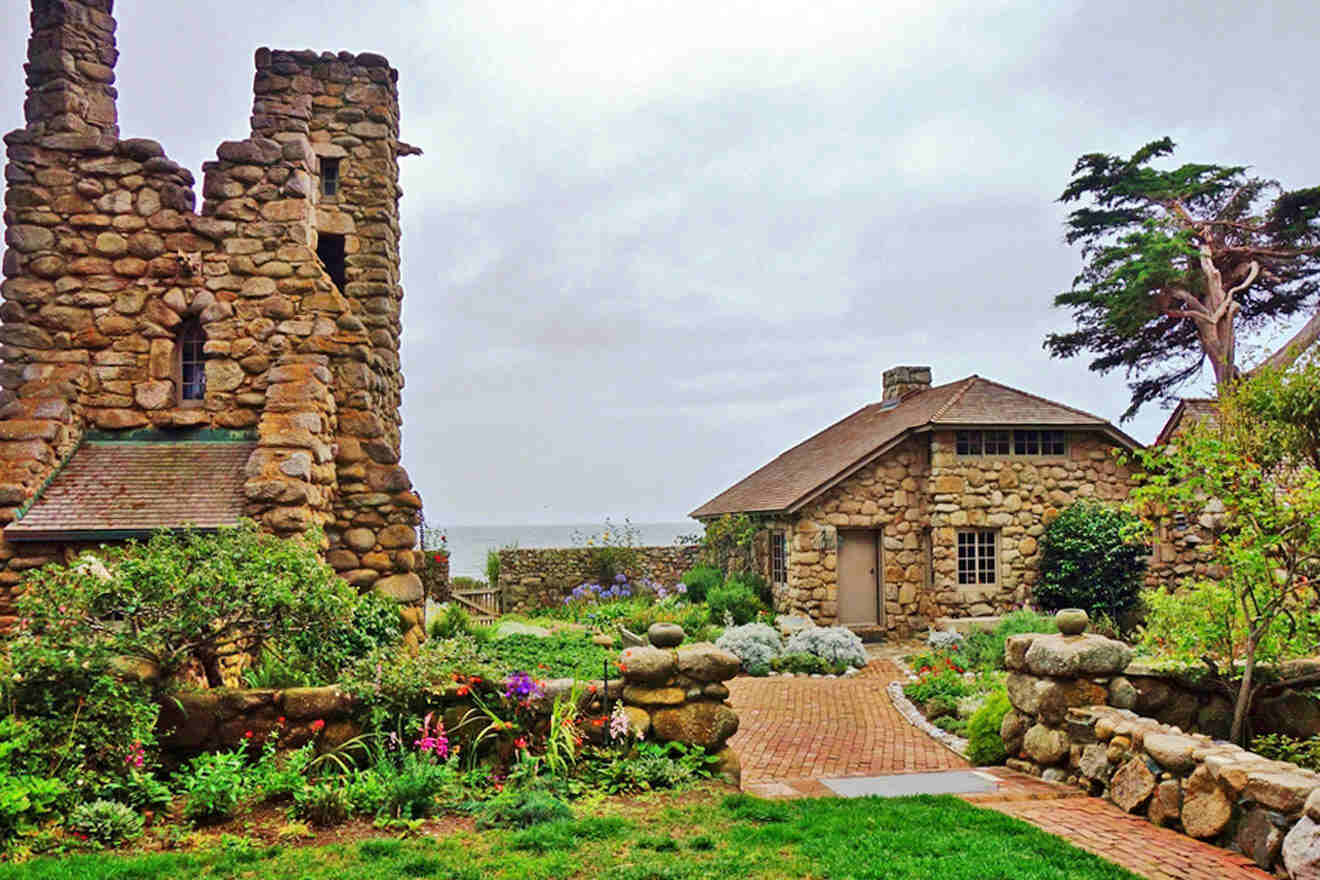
[653, 244]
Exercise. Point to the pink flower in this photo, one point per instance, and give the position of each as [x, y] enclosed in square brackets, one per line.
[318, 725]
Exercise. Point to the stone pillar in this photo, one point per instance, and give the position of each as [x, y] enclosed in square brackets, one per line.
[71, 69]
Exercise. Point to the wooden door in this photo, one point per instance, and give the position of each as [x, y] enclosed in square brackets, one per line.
[859, 577]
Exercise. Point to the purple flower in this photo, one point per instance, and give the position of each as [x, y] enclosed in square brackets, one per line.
[620, 579]
[681, 588]
[520, 686]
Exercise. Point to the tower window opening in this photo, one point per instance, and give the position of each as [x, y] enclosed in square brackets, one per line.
[330, 249]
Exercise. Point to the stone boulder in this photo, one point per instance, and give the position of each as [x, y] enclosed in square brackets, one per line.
[1206, 809]
[1301, 850]
[1094, 762]
[1260, 835]
[1063, 656]
[1013, 729]
[1166, 804]
[1284, 790]
[703, 724]
[705, 662]
[647, 664]
[1132, 785]
[314, 702]
[405, 589]
[666, 635]
[1049, 698]
[1045, 745]
[1172, 751]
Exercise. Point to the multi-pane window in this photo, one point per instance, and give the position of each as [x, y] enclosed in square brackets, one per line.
[778, 558]
[977, 557]
[1023, 442]
[329, 177]
[192, 362]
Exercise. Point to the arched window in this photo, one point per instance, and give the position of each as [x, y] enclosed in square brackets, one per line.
[192, 363]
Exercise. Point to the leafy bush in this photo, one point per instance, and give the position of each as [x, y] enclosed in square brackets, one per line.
[701, 580]
[1280, 747]
[755, 644]
[493, 567]
[521, 809]
[324, 804]
[392, 684]
[191, 597]
[281, 777]
[759, 586]
[367, 792]
[452, 621]
[802, 663]
[836, 644]
[946, 684]
[1089, 561]
[26, 801]
[984, 745]
[105, 823]
[985, 650]
[213, 785]
[734, 600]
[944, 640]
[559, 655]
[414, 784]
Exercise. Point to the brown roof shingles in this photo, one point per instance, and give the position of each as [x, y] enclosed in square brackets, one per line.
[113, 488]
[796, 475]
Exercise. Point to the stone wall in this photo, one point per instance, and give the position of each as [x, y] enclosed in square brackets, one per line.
[539, 577]
[1060, 728]
[106, 259]
[919, 495]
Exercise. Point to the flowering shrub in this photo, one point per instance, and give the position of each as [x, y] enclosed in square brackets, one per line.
[755, 644]
[836, 644]
[213, 785]
[943, 640]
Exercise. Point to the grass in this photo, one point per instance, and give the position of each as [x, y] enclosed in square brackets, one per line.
[559, 655]
[675, 838]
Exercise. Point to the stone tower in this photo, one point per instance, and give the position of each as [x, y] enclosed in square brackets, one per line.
[271, 317]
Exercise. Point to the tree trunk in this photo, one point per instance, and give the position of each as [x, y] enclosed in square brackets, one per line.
[211, 665]
[1243, 702]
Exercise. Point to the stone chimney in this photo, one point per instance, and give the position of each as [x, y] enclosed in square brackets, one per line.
[71, 68]
[900, 381]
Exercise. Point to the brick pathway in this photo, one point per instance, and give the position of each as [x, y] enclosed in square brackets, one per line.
[806, 728]
[1130, 841]
[795, 731]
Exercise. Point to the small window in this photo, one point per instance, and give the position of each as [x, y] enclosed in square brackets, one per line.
[190, 348]
[778, 558]
[330, 248]
[969, 442]
[997, 443]
[329, 177]
[977, 557]
[1039, 443]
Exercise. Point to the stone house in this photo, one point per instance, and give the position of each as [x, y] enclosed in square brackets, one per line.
[165, 366]
[926, 505]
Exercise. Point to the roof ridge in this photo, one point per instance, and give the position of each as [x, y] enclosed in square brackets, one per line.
[967, 384]
[1045, 400]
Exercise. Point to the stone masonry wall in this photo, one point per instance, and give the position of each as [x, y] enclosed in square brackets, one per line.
[106, 259]
[1061, 728]
[919, 495]
[537, 577]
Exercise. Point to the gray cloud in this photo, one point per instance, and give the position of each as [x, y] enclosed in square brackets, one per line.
[653, 244]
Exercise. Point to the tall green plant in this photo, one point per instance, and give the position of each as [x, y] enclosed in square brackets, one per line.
[1089, 560]
[728, 541]
[1250, 470]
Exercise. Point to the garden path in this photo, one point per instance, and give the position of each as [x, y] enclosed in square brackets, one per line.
[794, 732]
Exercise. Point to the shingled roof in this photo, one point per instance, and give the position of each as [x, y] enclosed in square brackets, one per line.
[115, 490]
[1191, 410]
[798, 475]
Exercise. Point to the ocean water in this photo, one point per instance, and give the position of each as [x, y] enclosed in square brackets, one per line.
[468, 544]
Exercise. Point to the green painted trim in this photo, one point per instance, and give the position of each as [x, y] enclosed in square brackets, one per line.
[157, 435]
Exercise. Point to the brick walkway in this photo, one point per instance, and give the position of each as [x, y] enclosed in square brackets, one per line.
[1130, 841]
[807, 728]
[795, 731]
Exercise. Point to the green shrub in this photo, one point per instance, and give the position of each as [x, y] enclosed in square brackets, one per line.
[944, 683]
[452, 621]
[759, 586]
[1089, 561]
[733, 601]
[985, 650]
[493, 568]
[803, 663]
[1280, 747]
[559, 655]
[984, 745]
[413, 786]
[324, 804]
[105, 823]
[940, 707]
[367, 793]
[701, 580]
[25, 802]
[521, 809]
[213, 785]
[391, 684]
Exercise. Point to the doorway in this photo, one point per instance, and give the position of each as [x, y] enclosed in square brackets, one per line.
[860, 578]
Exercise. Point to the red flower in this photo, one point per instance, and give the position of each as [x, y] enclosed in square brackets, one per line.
[591, 689]
[280, 721]
[318, 725]
[247, 734]
[520, 742]
[464, 690]
[597, 722]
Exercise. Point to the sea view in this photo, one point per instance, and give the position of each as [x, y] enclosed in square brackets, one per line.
[468, 544]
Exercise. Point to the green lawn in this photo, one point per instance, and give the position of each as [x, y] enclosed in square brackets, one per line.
[664, 837]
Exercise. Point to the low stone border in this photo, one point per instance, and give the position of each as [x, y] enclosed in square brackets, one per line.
[913, 715]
